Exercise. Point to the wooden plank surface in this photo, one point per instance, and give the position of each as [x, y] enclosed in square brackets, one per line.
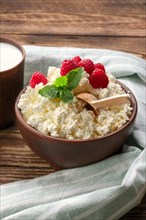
[133, 45]
[107, 24]
[78, 17]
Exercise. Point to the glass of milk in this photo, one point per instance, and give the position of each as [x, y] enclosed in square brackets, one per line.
[12, 57]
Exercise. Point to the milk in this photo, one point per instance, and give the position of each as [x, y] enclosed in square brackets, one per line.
[10, 56]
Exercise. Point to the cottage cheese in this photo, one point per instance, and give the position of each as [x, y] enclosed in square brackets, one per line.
[73, 121]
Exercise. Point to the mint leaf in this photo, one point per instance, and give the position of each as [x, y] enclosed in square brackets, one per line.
[66, 95]
[61, 81]
[63, 86]
[49, 91]
[74, 77]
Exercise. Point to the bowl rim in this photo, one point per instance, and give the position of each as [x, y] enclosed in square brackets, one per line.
[20, 118]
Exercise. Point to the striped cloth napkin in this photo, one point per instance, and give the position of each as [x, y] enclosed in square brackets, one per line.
[103, 191]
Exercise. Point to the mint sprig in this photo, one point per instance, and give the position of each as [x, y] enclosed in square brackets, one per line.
[74, 77]
[66, 95]
[63, 86]
[61, 81]
[49, 91]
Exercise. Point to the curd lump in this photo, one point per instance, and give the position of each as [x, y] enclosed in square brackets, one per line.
[53, 117]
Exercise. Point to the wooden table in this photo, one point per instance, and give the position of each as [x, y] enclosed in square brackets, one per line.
[116, 24]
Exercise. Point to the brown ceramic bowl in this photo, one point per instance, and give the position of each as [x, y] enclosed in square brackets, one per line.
[62, 153]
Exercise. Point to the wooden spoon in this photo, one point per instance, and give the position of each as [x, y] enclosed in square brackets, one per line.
[96, 104]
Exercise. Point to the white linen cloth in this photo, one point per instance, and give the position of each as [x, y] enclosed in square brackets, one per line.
[102, 191]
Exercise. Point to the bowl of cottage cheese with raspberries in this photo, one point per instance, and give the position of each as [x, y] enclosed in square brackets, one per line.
[49, 108]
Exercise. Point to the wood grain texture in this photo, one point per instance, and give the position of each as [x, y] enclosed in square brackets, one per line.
[17, 161]
[79, 17]
[135, 45]
[107, 24]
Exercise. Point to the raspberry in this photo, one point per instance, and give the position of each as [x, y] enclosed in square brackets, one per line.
[76, 60]
[37, 78]
[98, 79]
[87, 64]
[99, 66]
[67, 65]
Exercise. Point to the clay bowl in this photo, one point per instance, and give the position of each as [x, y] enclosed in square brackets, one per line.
[62, 153]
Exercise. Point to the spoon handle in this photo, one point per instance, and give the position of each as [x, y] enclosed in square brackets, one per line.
[112, 101]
